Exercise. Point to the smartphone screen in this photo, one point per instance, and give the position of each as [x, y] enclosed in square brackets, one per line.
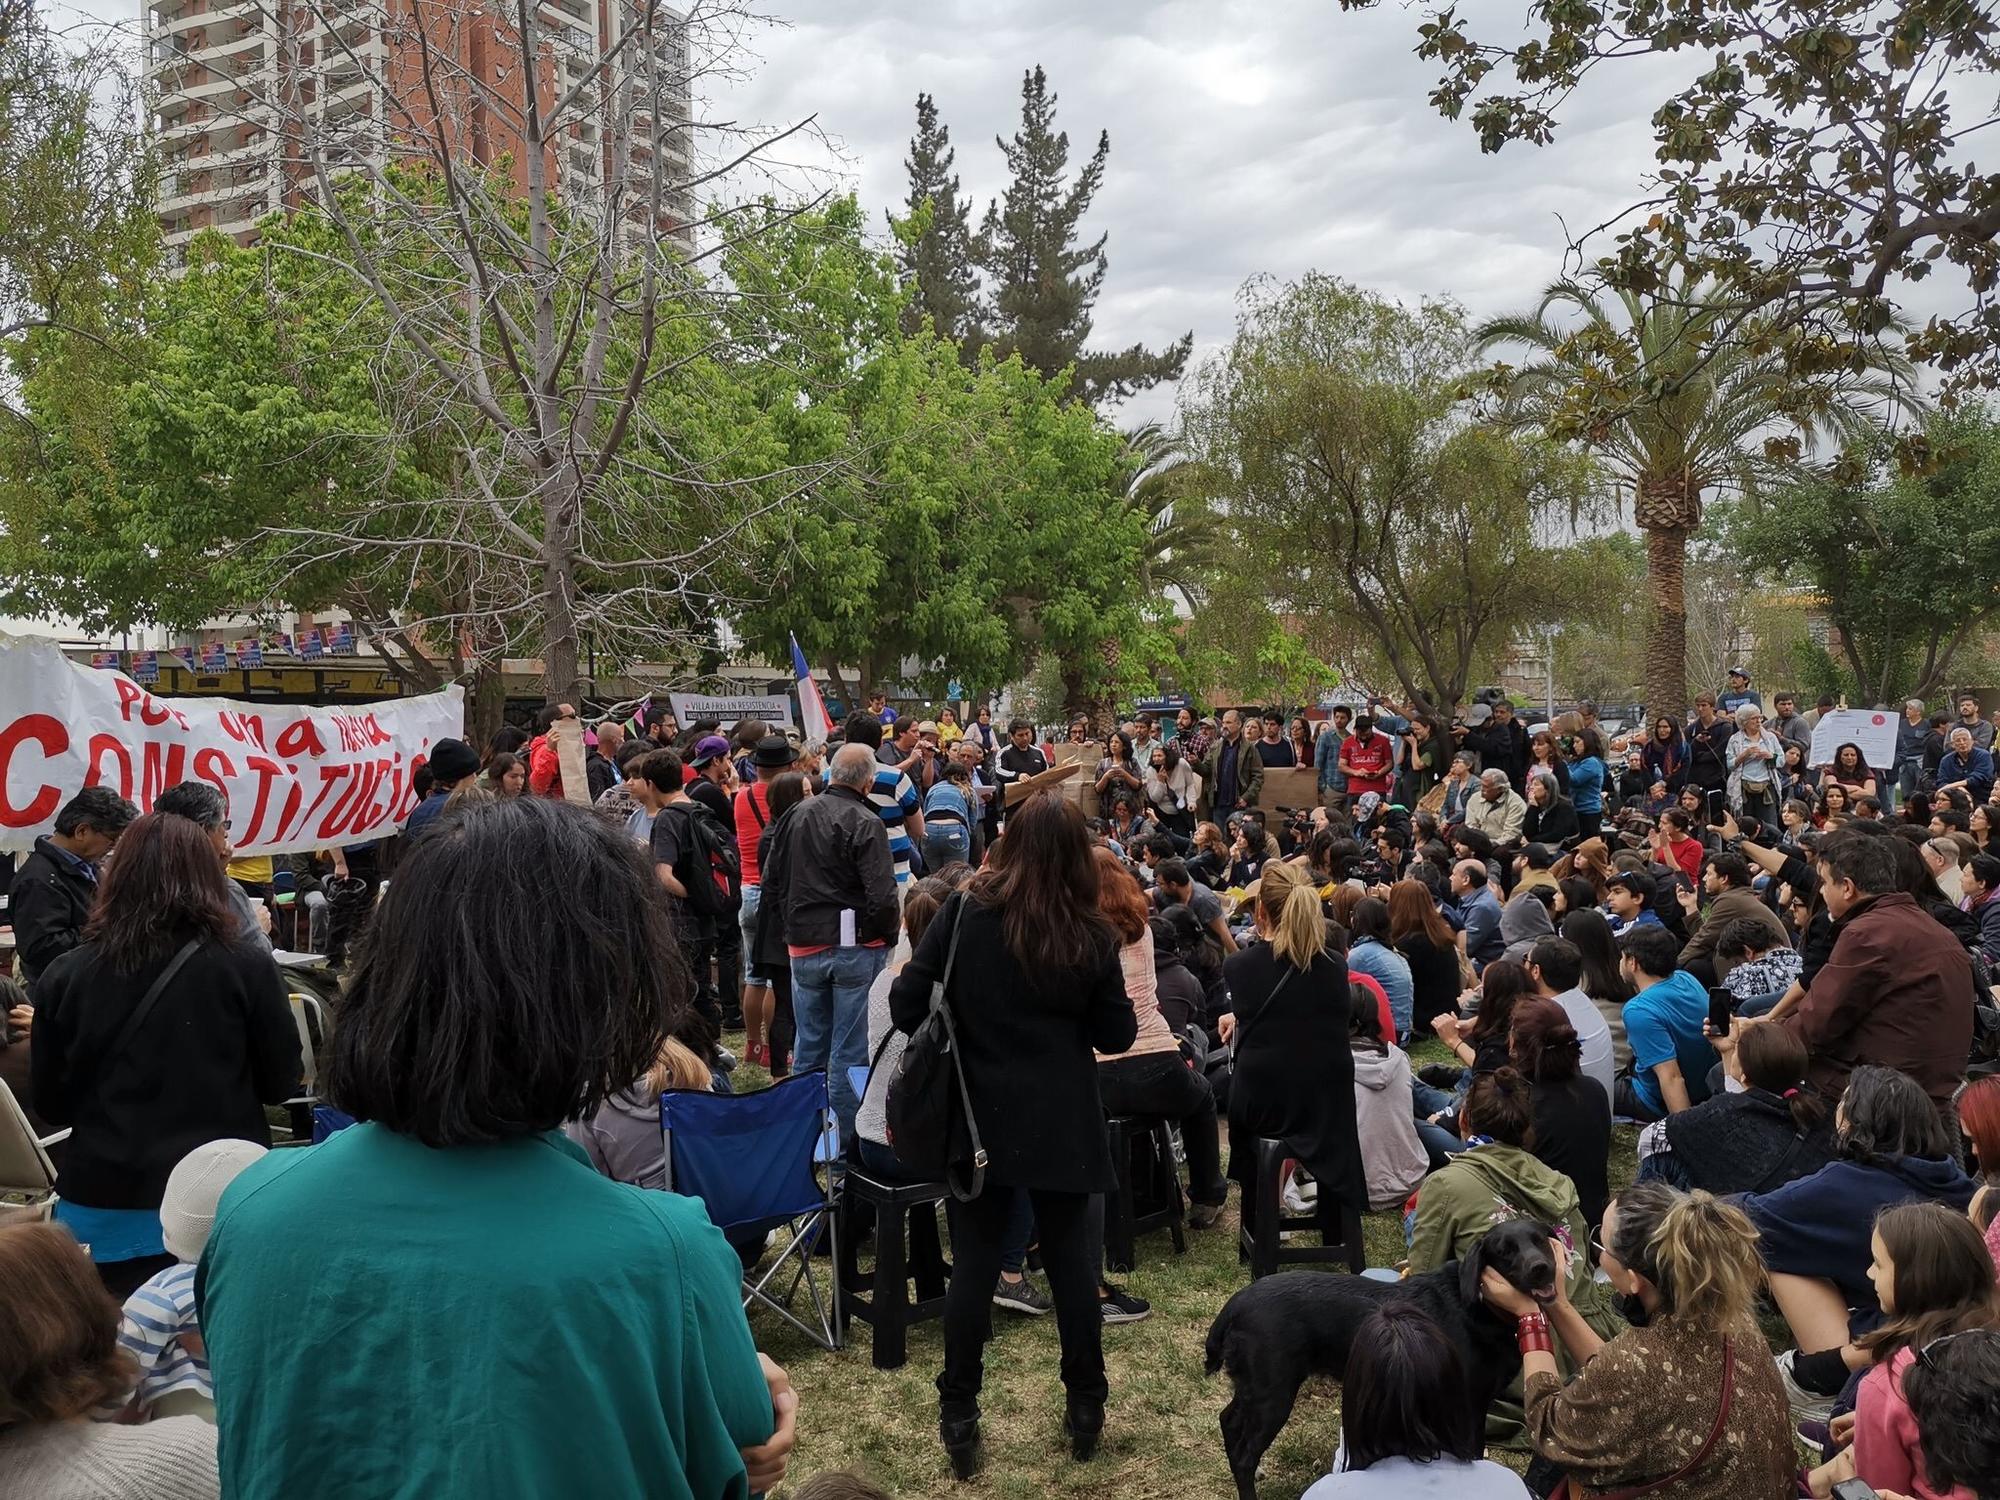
[1716, 806]
[1721, 1010]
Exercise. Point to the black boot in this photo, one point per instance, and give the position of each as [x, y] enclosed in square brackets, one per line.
[961, 1444]
[1084, 1424]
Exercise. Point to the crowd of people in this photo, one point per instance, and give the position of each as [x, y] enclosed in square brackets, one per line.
[1780, 972]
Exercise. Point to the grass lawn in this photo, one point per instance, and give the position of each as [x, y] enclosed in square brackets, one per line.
[1161, 1438]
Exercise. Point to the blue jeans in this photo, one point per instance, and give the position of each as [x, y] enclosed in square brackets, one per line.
[830, 1008]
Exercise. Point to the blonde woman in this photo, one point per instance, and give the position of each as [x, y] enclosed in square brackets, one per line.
[1294, 1078]
[1685, 1404]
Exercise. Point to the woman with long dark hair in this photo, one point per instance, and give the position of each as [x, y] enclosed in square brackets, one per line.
[1850, 769]
[1666, 753]
[521, 969]
[1426, 941]
[1294, 1073]
[1604, 982]
[1118, 772]
[1036, 990]
[167, 1028]
[769, 957]
[1170, 789]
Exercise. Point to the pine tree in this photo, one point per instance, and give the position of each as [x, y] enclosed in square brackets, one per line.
[938, 262]
[1044, 283]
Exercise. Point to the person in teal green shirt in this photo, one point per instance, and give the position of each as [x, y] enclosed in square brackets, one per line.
[446, 1300]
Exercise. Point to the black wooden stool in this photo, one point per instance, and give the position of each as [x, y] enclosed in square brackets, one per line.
[907, 1249]
[1149, 1187]
[1264, 1220]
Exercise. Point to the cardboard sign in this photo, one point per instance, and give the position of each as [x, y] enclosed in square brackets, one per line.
[1288, 786]
[568, 737]
[296, 777]
[1873, 729]
[1027, 786]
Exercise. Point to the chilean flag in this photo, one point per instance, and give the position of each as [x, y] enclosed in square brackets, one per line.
[813, 719]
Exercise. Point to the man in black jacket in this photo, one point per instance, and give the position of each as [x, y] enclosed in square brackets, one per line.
[1502, 742]
[54, 889]
[841, 921]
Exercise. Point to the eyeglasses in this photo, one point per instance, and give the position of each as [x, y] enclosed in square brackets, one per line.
[1598, 1249]
[1924, 1354]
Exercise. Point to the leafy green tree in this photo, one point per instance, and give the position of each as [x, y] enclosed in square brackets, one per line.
[1903, 566]
[1043, 283]
[934, 250]
[1358, 487]
[1677, 406]
[969, 529]
[1814, 163]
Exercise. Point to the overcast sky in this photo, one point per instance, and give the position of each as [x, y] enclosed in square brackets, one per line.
[1246, 137]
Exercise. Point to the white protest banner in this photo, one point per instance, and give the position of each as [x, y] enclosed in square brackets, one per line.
[1873, 729]
[296, 777]
[689, 708]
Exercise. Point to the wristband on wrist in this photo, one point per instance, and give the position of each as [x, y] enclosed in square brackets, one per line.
[1532, 1334]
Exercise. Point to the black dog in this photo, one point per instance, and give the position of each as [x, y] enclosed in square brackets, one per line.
[1275, 1332]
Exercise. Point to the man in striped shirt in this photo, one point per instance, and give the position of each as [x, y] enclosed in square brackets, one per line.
[894, 796]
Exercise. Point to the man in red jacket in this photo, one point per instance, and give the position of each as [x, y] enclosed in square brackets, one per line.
[544, 765]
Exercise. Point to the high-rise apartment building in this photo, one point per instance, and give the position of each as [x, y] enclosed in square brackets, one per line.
[246, 92]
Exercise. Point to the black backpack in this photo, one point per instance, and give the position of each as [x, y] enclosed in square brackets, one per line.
[929, 1109]
[714, 877]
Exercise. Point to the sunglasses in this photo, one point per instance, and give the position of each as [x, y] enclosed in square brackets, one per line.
[1924, 1354]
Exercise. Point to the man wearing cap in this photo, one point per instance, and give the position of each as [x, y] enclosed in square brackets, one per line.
[451, 762]
[750, 813]
[1739, 692]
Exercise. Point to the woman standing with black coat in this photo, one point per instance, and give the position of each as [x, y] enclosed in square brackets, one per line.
[1036, 990]
[1294, 1077]
[143, 1084]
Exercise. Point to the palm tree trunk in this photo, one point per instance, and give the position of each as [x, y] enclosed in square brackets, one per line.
[1666, 646]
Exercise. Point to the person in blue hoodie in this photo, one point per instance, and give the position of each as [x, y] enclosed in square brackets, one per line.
[1586, 778]
[1815, 1232]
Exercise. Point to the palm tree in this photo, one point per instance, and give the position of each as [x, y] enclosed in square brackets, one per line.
[1183, 541]
[1678, 399]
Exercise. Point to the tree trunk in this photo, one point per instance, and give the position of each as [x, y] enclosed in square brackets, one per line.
[1103, 709]
[1076, 699]
[562, 675]
[485, 702]
[1666, 645]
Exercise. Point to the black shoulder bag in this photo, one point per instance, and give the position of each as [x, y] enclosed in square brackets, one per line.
[147, 1001]
[929, 1108]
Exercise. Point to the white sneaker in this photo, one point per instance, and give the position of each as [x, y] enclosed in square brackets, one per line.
[1807, 1406]
[1297, 1201]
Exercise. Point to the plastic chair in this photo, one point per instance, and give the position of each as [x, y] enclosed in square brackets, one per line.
[309, 1015]
[750, 1159]
[907, 1250]
[328, 1121]
[26, 1175]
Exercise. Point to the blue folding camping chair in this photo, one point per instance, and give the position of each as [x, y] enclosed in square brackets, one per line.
[751, 1159]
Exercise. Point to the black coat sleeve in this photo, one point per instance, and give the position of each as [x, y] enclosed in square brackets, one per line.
[52, 1045]
[43, 919]
[277, 1062]
[1113, 1026]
